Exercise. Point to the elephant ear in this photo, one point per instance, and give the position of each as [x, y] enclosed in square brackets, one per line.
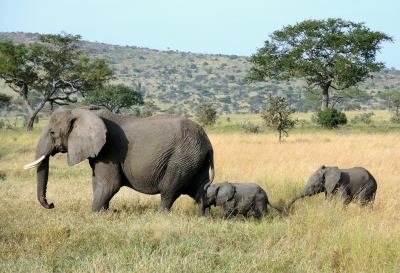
[224, 193]
[87, 136]
[332, 177]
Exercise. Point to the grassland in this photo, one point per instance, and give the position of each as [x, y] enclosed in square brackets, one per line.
[317, 236]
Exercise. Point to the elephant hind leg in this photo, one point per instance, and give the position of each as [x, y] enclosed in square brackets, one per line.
[367, 198]
[167, 200]
[261, 207]
[171, 187]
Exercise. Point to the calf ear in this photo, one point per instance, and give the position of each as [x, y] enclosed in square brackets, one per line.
[225, 193]
[87, 136]
[332, 177]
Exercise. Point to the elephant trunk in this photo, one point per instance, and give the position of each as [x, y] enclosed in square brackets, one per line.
[299, 196]
[42, 174]
[44, 149]
[308, 191]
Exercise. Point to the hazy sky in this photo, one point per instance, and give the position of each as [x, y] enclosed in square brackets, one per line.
[201, 26]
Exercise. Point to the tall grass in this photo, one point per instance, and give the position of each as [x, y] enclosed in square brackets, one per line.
[317, 236]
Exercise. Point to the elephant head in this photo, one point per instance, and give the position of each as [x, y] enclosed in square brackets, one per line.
[218, 194]
[324, 179]
[78, 132]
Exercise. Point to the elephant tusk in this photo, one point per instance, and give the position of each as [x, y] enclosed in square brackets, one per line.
[33, 164]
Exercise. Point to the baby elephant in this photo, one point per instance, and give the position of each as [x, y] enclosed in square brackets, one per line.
[248, 199]
[354, 184]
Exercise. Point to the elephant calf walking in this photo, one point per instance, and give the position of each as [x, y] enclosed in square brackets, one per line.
[354, 184]
[248, 199]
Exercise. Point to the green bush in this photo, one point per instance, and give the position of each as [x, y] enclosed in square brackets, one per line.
[207, 114]
[331, 118]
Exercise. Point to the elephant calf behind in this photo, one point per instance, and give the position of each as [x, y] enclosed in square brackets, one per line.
[354, 184]
[248, 199]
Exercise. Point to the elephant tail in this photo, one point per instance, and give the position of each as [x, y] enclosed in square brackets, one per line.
[210, 158]
[209, 167]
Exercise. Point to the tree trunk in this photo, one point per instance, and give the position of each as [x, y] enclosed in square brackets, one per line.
[325, 97]
[32, 114]
[29, 123]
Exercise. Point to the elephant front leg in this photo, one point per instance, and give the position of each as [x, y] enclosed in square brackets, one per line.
[225, 213]
[346, 197]
[106, 183]
[228, 210]
[101, 195]
[204, 207]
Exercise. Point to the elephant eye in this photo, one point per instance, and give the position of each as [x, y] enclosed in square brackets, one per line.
[52, 132]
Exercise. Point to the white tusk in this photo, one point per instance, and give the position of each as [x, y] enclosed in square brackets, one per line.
[33, 164]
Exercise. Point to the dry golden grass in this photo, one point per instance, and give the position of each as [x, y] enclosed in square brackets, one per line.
[317, 236]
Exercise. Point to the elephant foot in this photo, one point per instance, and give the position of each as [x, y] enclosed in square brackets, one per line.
[108, 211]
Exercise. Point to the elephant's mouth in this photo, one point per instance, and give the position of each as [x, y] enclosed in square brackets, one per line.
[60, 149]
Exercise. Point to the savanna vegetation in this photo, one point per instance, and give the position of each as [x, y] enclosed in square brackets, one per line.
[178, 82]
[316, 236]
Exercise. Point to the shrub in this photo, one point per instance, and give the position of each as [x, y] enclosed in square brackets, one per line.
[364, 118]
[331, 118]
[314, 118]
[207, 114]
[249, 127]
[395, 118]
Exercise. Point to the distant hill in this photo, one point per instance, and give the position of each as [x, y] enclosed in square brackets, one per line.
[178, 81]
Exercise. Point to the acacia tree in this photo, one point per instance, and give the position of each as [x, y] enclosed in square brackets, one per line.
[278, 115]
[114, 97]
[329, 54]
[51, 70]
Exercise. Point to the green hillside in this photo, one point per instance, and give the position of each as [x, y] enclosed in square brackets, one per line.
[178, 81]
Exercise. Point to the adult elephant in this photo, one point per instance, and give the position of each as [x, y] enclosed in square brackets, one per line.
[354, 184]
[162, 154]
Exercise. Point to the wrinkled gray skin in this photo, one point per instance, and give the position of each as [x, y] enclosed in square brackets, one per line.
[353, 184]
[162, 154]
[248, 199]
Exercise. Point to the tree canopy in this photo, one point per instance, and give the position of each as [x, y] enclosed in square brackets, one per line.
[114, 97]
[330, 54]
[53, 70]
